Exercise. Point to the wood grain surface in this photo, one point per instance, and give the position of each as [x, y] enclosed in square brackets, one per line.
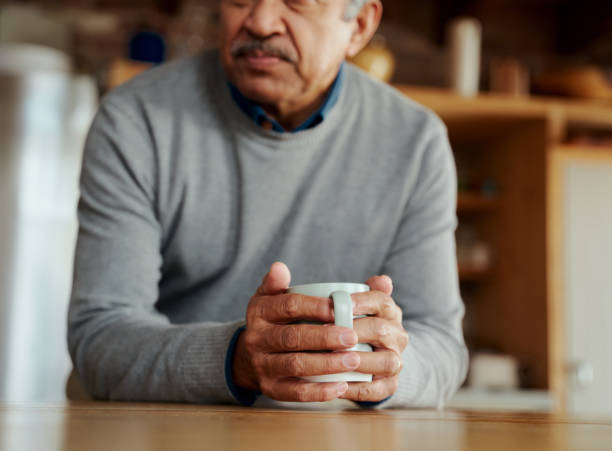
[134, 427]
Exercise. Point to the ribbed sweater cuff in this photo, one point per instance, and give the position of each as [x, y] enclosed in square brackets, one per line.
[203, 366]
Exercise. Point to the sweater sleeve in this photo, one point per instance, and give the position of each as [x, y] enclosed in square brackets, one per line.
[121, 346]
[422, 263]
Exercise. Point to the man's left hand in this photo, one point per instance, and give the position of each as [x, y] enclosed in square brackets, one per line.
[383, 330]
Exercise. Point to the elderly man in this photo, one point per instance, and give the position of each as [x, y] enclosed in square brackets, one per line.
[201, 175]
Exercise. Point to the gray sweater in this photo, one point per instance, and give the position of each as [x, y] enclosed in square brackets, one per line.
[185, 203]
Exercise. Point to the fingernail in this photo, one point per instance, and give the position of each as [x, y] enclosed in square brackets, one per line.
[341, 388]
[351, 360]
[347, 338]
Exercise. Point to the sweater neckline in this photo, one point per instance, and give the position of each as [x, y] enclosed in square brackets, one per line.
[247, 128]
[257, 114]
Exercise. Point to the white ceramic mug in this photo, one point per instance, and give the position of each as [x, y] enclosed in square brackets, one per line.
[340, 293]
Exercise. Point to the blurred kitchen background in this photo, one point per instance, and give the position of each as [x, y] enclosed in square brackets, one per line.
[525, 88]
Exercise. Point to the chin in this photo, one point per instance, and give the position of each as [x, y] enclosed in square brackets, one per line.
[262, 91]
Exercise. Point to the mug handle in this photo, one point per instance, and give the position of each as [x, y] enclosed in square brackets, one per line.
[343, 309]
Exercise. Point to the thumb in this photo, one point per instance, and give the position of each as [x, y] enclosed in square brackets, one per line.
[276, 281]
[381, 283]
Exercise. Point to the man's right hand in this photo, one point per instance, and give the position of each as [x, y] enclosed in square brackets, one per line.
[270, 354]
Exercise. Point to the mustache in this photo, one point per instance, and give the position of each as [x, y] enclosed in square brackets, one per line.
[242, 48]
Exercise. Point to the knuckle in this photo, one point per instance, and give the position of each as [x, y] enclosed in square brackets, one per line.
[329, 336]
[290, 338]
[290, 306]
[256, 310]
[294, 365]
[398, 364]
[327, 394]
[251, 312]
[388, 343]
[392, 364]
[329, 364]
[383, 329]
[259, 363]
[260, 309]
[388, 306]
[302, 394]
[404, 340]
[323, 309]
[267, 386]
[366, 392]
[250, 341]
[399, 313]
[332, 364]
[383, 333]
[325, 367]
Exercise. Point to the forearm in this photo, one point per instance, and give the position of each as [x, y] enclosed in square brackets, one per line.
[434, 366]
[120, 357]
[423, 266]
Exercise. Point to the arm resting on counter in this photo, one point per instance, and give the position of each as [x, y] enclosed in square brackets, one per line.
[121, 346]
[423, 266]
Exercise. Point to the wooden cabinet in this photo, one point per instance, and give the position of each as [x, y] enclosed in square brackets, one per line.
[516, 306]
[581, 276]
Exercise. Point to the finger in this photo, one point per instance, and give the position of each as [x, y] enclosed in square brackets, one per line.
[302, 391]
[276, 281]
[300, 364]
[291, 307]
[376, 303]
[382, 363]
[303, 337]
[376, 390]
[381, 283]
[381, 333]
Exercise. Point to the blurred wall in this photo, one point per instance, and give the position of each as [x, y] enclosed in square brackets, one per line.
[540, 34]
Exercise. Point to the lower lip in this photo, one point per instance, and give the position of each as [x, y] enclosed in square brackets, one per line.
[262, 62]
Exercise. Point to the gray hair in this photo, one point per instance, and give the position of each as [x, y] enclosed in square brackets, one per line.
[353, 8]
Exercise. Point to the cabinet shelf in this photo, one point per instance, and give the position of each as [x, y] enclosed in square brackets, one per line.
[517, 306]
[468, 202]
[493, 401]
[469, 273]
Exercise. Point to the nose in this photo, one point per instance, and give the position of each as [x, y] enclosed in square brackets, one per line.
[265, 18]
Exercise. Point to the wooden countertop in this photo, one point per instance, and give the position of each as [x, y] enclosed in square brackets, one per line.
[134, 427]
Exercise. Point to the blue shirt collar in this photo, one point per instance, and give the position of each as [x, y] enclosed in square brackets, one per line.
[258, 115]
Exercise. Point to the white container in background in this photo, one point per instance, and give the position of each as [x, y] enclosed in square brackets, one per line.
[464, 46]
[493, 372]
[45, 111]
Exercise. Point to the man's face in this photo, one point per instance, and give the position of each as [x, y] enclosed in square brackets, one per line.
[283, 51]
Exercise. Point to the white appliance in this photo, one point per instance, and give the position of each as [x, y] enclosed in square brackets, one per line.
[45, 112]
